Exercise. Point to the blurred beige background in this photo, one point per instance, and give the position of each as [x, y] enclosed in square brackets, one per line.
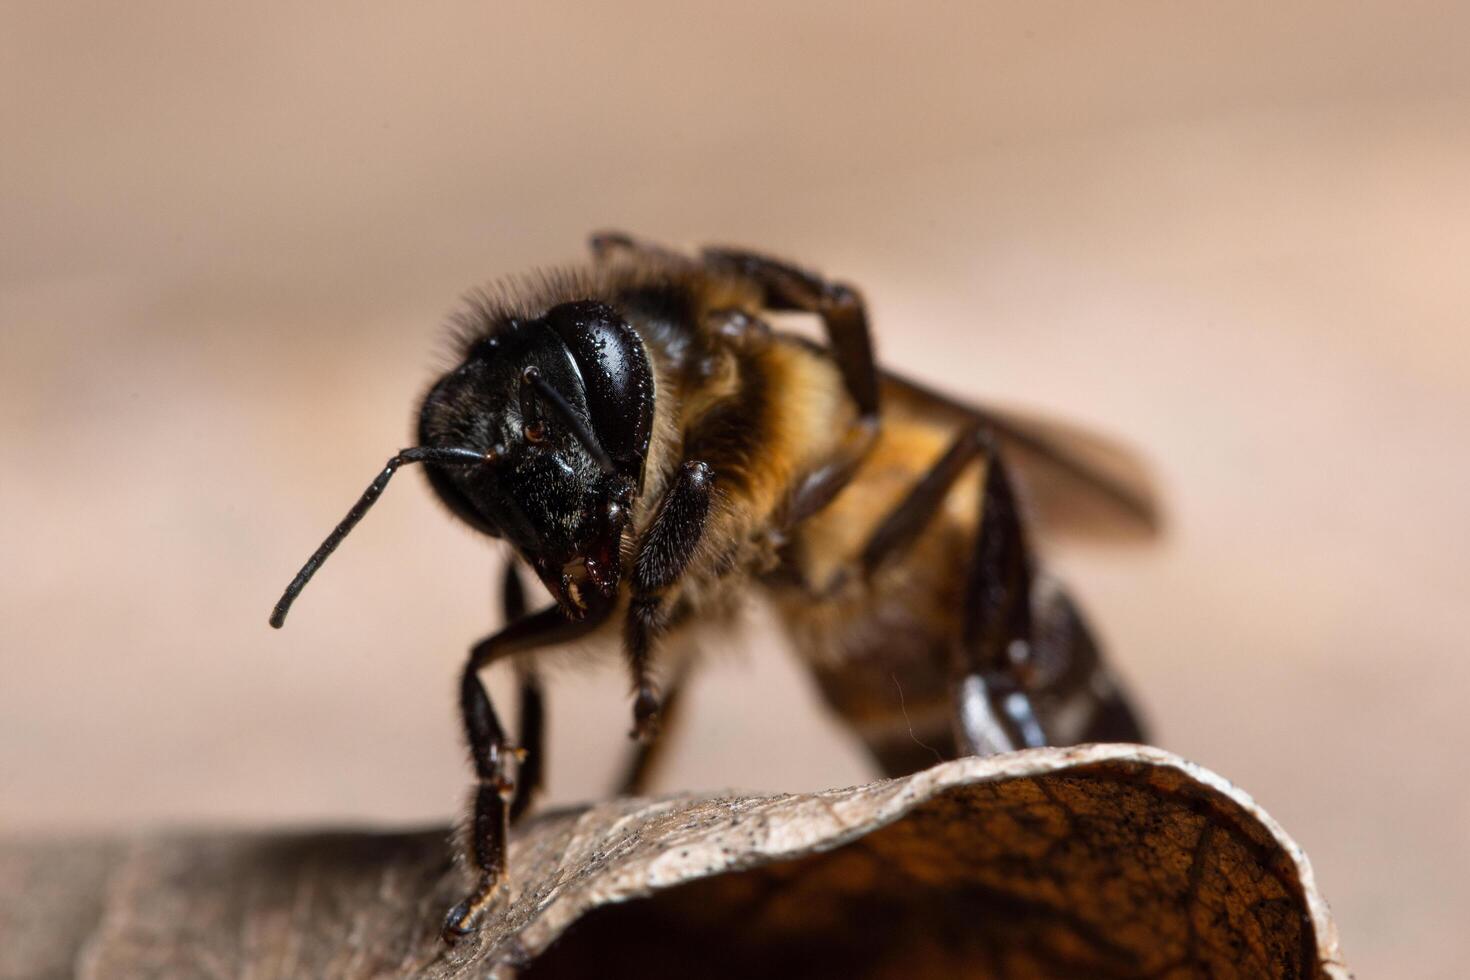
[1235, 234]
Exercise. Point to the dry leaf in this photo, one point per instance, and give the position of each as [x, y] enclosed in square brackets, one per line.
[1103, 860]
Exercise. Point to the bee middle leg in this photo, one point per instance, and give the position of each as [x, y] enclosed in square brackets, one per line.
[994, 711]
[648, 755]
[492, 754]
[531, 718]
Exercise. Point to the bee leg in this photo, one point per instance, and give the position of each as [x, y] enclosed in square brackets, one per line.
[530, 744]
[531, 719]
[994, 712]
[663, 554]
[489, 828]
[1084, 700]
[605, 245]
[841, 308]
[646, 756]
[908, 519]
[845, 320]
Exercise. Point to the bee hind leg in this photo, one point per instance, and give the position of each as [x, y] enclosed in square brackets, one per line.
[992, 654]
[1082, 697]
[994, 709]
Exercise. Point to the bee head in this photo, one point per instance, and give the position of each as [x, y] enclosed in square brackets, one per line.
[563, 405]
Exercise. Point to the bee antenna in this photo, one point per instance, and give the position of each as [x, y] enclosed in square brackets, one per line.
[417, 454]
[531, 380]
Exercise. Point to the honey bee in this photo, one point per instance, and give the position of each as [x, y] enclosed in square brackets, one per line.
[655, 452]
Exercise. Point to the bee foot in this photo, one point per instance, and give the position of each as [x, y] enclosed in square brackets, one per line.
[646, 711]
[457, 924]
[464, 918]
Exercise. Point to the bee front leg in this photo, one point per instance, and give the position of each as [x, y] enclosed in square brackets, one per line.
[663, 555]
[491, 753]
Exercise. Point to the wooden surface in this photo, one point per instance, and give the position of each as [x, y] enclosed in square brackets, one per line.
[1101, 860]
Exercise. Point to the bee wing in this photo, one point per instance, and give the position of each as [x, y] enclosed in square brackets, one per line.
[1077, 483]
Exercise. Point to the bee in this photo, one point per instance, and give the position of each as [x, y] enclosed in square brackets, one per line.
[654, 452]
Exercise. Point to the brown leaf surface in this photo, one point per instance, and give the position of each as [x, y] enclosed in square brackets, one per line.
[1104, 860]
